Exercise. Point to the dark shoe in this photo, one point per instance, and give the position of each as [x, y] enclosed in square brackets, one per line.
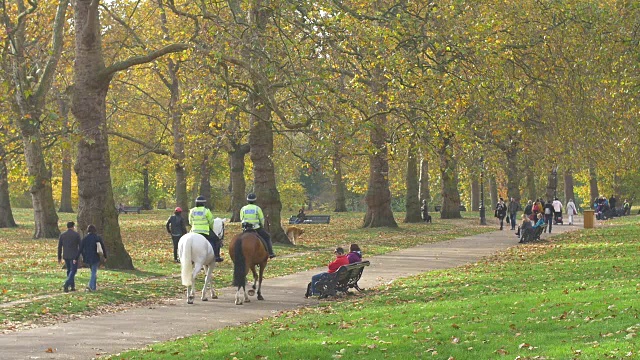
[66, 288]
[271, 256]
[73, 289]
[176, 260]
[219, 259]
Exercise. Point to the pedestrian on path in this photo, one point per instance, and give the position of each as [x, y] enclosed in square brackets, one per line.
[571, 211]
[176, 227]
[501, 212]
[89, 251]
[513, 207]
[68, 249]
[548, 215]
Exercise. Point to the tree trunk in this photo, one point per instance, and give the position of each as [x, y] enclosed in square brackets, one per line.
[552, 184]
[531, 182]
[413, 197]
[338, 184]
[238, 184]
[30, 95]
[475, 193]
[6, 215]
[449, 174]
[93, 164]
[46, 218]
[593, 184]
[65, 197]
[205, 181]
[513, 180]
[425, 194]
[178, 137]
[261, 144]
[493, 191]
[146, 201]
[378, 196]
[568, 185]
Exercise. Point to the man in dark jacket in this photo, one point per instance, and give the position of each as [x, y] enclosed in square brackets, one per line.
[68, 244]
[176, 227]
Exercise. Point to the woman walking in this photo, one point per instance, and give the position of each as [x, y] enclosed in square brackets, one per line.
[89, 251]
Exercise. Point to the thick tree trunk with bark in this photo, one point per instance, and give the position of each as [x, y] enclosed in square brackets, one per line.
[338, 184]
[413, 197]
[378, 196]
[30, 95]
[96, 204]
[425, 194]
[178, 138]
[46, 218]
[261, 144]
[493, 191]
[146, 200]
[205, 182]
[568, 185]
[238, 183]
[449, 177]
[65, 196]
[531, 183]
[552, 184]
[475, 193]
[6, 215]
[593, 184]
[513, 180]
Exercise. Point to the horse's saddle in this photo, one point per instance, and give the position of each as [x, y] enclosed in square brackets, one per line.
[248, 227]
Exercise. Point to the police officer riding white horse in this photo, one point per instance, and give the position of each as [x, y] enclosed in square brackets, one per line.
[201, 220]
[252, 218]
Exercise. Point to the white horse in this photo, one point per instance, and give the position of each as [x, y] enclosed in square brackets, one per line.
[195, 252]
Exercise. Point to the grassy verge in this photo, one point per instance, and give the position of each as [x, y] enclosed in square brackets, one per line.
[31, 282]
[575, 297]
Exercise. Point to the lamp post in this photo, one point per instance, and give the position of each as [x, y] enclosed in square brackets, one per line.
[483, 220]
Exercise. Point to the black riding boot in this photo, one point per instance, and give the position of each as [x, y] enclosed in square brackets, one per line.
[267, 239]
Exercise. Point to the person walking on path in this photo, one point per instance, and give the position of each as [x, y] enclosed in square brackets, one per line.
[571, 211]
[89, 251]
[201, 220]
[501, 212]
[252, 214]
[548, 215]
[341, 259]
[557, 210]
[176, 227]
[68, 249]
[513, 208]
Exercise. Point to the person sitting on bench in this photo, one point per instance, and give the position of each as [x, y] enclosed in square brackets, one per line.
[341, 259]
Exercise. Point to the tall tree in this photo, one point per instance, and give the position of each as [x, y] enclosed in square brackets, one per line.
[65, 195]
[413, 197]
[6, 215]
[92, 78]
[32, 81]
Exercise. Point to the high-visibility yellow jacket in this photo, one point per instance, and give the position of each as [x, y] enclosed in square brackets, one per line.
[201, 220]
[252, 214]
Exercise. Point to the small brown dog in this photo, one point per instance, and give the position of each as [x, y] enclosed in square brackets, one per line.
[294, 233]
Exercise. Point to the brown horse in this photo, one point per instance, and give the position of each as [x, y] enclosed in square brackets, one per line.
[247, 251]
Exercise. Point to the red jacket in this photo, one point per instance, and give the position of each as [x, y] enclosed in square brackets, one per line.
[339, 261]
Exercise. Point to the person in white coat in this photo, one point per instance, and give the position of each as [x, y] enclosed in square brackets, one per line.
[571, 210]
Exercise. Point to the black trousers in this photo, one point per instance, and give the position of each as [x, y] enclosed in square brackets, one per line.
[267, 239]
[175, 240]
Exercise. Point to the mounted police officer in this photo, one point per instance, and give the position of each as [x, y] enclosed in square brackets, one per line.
[252, 214]
[201, 220]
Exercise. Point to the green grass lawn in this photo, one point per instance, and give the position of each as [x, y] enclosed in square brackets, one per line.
[575, 297]
[31, 282]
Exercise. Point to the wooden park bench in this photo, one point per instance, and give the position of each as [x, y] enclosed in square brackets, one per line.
[340, 281]
[438, 207]
[533, 234]
[312, 219]
[130, 209]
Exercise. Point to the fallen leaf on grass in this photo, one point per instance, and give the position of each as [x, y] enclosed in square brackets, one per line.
[50, 350]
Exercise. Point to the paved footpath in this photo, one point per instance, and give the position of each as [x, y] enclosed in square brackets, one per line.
[113, 333]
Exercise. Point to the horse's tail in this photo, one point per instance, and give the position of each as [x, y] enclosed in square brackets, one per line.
[185, 260]
[239, 266]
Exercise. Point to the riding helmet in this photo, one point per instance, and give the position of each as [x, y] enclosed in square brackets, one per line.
[252, 197]
[200, 200]
[178, 209]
